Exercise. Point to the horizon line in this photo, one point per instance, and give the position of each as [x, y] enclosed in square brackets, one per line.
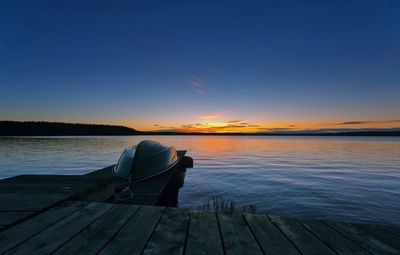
[324, 132]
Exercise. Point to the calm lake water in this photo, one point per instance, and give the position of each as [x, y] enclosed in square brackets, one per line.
[342, 178]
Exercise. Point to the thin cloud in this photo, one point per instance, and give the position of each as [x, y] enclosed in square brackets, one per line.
[235, 121]
[212, 115]
[198, 85]
[357, 122]
[275, 129]
[227, 126]
[161, 128]
[188, 126]
[353, 122]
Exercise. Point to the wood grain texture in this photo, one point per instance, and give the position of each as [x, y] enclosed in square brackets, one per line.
[10, 217]
[37, 193]
[30, 205]
[170, 234]
[332, 238]
[133, 237]
[203, 234]
[381, 234]
[17, 234]
[362, 238]
[53, 237]
[393, 230]
[269, 237]
[236, 235]
[100, 232]
[305, 241]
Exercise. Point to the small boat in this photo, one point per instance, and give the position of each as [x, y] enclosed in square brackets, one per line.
[145, 160]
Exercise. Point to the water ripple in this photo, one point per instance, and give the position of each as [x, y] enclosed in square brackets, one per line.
[339, 178]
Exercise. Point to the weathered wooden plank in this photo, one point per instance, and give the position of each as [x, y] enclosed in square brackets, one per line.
[40, 180]
[381, 234]
[19, 189]
[36, 183]
[133, 237]
[24, 177]
[362, 238]
[393, 230]
[53, 237]
[100, 232]
[143, 199]
[27, 205]
[46, 176]
[332, 238]
[152, 186]
[203, 234]
[95, 193]
[104, 174]
[30, 196]
[41, 192]
[236, 235]
[305, 241]
[8, 218]
[269, 237]
[15, 235]
[170, 233]
[49, 188]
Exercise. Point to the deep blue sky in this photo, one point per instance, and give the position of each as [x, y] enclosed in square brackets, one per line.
[173, 63]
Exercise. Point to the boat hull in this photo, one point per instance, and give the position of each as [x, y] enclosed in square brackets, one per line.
[146, 160]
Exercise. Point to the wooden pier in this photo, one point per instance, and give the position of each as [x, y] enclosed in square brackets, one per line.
[43, 214]
[24, 196]
[105, 228]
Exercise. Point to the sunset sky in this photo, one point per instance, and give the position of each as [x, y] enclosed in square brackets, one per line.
[202, 66]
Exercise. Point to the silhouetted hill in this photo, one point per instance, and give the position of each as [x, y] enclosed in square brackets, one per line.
[42, 128]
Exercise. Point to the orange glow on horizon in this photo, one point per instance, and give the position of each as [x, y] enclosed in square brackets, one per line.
[241, 126]
[202, 124]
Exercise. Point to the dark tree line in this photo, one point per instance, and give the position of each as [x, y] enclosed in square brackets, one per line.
[42, 128]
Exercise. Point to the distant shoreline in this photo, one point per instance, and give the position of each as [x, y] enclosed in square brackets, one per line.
[42, 128]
